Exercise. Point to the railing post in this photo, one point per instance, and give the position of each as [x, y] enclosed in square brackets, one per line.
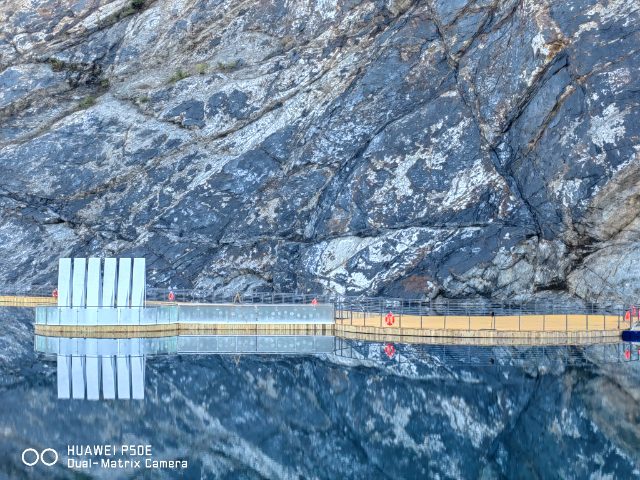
[566, 322]
[586, 319]
[519, 321]
[544, 317]
[469, 321]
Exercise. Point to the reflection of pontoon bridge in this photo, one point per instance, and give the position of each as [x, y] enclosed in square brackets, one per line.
[85, 364]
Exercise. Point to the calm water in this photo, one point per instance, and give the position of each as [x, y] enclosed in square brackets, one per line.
[325, 416]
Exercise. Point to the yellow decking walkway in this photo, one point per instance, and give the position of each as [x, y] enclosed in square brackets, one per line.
[529, 323]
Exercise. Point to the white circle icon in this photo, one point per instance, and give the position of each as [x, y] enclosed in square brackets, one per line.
[39, 456]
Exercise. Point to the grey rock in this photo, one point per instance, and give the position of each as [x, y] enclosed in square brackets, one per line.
[413, 149]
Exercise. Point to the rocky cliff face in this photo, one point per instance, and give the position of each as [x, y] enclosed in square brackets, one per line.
[398, 147]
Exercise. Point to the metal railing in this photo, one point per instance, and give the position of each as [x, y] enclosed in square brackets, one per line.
[460, 314]
[186, 314]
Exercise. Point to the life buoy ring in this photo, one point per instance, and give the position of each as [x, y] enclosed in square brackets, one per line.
[389, 350]
[627, 316]
[171, 296]
[389, 319]
[314, 302]
[627, 355]
[55, 293]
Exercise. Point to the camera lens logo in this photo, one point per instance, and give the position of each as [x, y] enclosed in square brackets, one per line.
[39, 456]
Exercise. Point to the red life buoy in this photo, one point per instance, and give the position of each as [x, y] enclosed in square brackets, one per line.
[627, 316]
[389, 319]
[627, 354]
[55, 293]
[633, 311]
[171, 296]
[389, 350]
[314, 302]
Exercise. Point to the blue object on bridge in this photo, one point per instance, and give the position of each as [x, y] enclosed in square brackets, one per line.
[631, 335]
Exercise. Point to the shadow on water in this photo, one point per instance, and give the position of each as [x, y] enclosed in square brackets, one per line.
[353, 410]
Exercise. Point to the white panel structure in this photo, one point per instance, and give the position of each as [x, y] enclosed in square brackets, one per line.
[124, 282]
[77, 377]
[138, 285]
[137, 378]
[64, 376]
[109, 283]
[94, 283]
[124, 378]
[79, 282]
[93, 378]
[108, 377]
[64, 282]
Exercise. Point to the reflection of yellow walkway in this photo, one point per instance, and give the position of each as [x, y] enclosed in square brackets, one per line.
[528, 323]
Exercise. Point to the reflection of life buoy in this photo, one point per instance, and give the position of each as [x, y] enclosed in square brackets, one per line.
[627, 316]
[389, 319]
[314, 302]
[627, 354]
[171, 296]
[389, 350]
[55, 293]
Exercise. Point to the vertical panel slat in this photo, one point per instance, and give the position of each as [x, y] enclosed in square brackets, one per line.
[138, 285]
[123, 377]
[108, 377]
[64, 376]
[77, 376]
[64, 282]
[94, 283]
[109, 284]
[78, 295]
[137, 378]
[93, 378]
[124, 282]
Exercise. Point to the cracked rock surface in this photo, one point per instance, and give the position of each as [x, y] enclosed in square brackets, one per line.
[401, 147]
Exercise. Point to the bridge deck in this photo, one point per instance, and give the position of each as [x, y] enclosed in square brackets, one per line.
[528, 323]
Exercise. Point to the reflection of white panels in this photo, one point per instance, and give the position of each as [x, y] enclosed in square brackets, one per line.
[137, 378]
[94, 283]
[93, 378]
[108, 377]
[77, 377]
[64, 282]
[109, 283]
[64, 376]
[79, 282]
[124, 282]
[138, 283]
[123, 378]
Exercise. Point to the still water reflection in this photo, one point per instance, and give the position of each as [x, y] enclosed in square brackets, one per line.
[355, 412]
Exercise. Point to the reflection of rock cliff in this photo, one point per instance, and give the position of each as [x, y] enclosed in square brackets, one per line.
[306, 417]
[398, 147]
